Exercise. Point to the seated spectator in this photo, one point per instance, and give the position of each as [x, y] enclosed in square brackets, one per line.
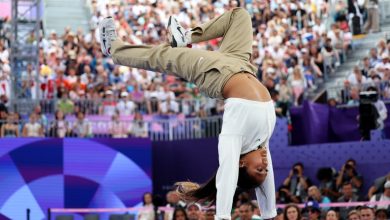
[147, 213]
[33, 128]
[139, 127]
[327, 185]
[125, 106]
[179, 214]
[292, 212]
[347, 196]
[354, 96]
[297, 182]
[315, 195]
[117, 128]
[109, 104]
[353, 215]
[381, 214]
[312, 208]
[10, 127]
[331, 214]
[65, 105]
[209, 214]
[81, 127]
[382, 197]
[59, 127]
[194, 211]
[356, 77]
[378, 186]
[367, 213]
[168, 107]
[246, 211]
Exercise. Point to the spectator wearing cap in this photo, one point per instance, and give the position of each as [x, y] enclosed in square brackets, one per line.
[380, 67]
[382, 197]
[109, 104]
[315, 194]
[126, 106]
[312, 208]
[194, 211]
[367, 213]
[347, 196]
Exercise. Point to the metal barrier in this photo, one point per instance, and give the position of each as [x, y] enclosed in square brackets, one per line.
[156, 130]
[343, 93]
[106, 106]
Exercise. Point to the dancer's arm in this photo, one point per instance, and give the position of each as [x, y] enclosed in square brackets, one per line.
[265, 194]
[229, 149]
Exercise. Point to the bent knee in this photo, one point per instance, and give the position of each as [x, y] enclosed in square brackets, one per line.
[241, 12]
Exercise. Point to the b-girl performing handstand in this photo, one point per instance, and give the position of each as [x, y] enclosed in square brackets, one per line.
[249, 116]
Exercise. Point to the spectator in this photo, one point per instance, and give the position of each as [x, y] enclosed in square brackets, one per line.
[194, 211]
[357, 78]
[126, 106]
[348, 173]
[117, 127]
[347, 196]
[353, 215]
[382, 197]
[59, 127]
[378, 186]
[313, 209]
[297, 183]
[246, 211]
[33, 128]
[65, 104]
[168, 107]
[139, 127]
[210, 213]
[327, 184]
[381, 214]
[147, 211]
[298, 84]
[331, 214]
[10, 128]
[179, 214]
[372, 23]
[82, 127]
[366, 213]
[292, 212]
[109, 104]
[315, 194]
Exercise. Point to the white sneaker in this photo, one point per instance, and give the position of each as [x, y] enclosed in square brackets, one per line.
[176, 33]
[107, 34]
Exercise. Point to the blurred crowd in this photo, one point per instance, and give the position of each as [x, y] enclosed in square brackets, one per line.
[296, 45]
[342, 186]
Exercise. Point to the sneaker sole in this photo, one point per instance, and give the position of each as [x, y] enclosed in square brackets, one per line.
[102, 31]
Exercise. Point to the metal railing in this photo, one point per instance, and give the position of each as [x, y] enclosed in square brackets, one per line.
[342, 93]
[109, 106]
[156, 130]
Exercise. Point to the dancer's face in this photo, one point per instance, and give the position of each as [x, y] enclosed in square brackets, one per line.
[256, 164]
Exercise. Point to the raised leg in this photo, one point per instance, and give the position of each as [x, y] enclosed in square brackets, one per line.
[235, 27]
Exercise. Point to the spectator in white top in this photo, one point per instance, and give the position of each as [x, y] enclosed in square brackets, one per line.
[71, 78]
[381, 66]
[169, 107]
[356, 77]
[33, 128]
[82, 127]
[125, 106]
[86, 75]
[382, 197]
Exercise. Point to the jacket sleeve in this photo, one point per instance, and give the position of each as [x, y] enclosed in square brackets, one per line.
[229, 149]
